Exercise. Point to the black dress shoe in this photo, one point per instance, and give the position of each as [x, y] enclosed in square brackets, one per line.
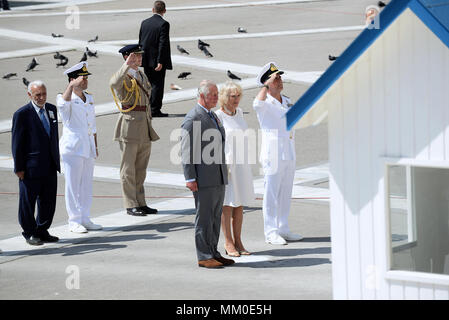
[34, 241]
[147, 210]
[159, 114]
[135, 212]
[49, 238]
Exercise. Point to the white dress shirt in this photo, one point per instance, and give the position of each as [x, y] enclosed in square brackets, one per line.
[78, 118]
[36, 107]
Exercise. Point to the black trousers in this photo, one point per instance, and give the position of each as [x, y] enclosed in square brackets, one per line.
[43, 192]
[5, 5]
[157, 80]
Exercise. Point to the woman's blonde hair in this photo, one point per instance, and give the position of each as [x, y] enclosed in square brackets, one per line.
[223, 96]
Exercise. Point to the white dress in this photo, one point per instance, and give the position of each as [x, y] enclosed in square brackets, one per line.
[240, 189]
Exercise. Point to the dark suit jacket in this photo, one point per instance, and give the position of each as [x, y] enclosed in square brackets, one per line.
[195, 165]
[32, 149]
[155, 40]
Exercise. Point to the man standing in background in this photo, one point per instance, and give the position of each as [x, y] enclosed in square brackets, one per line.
[155, 41]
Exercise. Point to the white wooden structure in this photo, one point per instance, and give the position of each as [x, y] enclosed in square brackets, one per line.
[387, 102]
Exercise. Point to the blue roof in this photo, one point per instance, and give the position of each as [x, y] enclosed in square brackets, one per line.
[433, 13]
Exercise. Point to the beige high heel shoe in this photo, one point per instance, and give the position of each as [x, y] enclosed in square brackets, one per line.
[232, 253]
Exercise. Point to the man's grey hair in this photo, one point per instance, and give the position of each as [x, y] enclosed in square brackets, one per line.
[204, 87]
[35, 83]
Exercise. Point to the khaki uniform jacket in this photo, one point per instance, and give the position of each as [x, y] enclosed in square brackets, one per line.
[133, 126]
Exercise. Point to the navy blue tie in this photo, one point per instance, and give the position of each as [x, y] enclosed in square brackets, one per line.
[213, 118]
[44, 121]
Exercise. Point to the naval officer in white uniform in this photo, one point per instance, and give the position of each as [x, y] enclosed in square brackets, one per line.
[78, 147]
[277, 155]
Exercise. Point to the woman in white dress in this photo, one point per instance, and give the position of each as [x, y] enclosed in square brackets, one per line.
[240, 189]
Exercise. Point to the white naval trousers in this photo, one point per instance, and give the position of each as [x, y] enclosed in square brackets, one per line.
[78, 173]
[277, 197]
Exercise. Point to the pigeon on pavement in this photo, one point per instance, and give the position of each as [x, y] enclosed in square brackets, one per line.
[183, 75]
[9, 75]
[32, 65]
[91, 53]
[181, 49]
[233, 76]
[93, 40]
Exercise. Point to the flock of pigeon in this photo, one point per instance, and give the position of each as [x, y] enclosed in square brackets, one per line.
[63, 60]
[202, 46]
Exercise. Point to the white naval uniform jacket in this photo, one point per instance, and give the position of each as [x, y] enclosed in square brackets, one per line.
[277, 142]
[78, 119]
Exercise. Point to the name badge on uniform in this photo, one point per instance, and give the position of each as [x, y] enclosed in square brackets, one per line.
[52, 115]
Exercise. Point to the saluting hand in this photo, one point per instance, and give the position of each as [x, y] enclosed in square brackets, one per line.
[77, 82]
[131, 60]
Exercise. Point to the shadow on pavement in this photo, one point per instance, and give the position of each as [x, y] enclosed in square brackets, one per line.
[316, 239]
[293, 252]
[81, 246]
[283, 263]
[159, 227]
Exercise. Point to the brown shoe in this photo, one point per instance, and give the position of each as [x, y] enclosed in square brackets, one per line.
[224, 261]
[210, 263]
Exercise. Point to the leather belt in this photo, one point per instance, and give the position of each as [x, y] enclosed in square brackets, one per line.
[137, 108]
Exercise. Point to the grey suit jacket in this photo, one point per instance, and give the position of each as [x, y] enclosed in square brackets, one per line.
[202, 148]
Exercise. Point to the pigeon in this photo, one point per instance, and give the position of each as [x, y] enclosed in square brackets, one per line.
[332, 58]
[206, 52]
[174, 86]
[381, 4]
[32, 65]
[9, 75]
[183, 75]
[242, 30]
[25, 81]
[60, 56]
[91, 53]
[202, 44]
[57, 35]
[62, 63]
[181, 49]
[84, 58]
[93, 40]
[232, 76]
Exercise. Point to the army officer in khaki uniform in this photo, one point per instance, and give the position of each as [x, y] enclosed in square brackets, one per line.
[133, 130]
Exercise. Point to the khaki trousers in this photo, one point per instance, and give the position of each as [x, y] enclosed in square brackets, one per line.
[133, 170]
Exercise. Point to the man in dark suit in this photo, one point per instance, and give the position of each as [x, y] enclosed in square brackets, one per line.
[35, 151]
[206, 173]
[155, 40]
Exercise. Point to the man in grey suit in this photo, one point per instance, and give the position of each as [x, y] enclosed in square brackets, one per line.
[202, 148]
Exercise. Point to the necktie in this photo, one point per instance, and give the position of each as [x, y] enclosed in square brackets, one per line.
[44, 121]
[213, 119]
